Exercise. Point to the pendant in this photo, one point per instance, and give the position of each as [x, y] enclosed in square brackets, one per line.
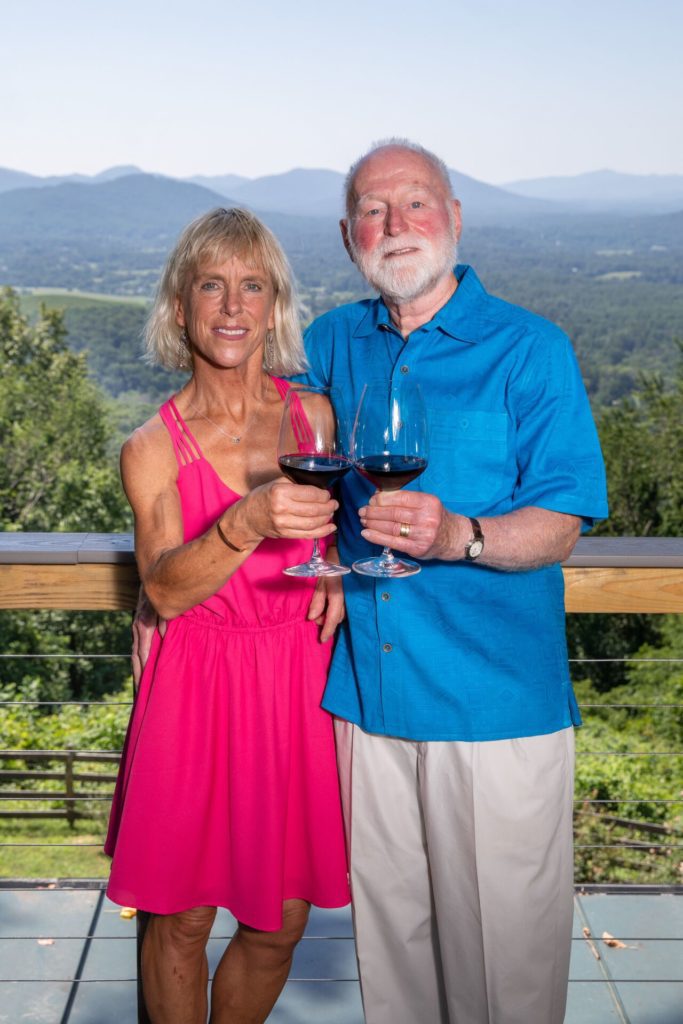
[235, 440]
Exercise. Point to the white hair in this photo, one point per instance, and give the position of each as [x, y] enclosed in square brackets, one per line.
[394, 143]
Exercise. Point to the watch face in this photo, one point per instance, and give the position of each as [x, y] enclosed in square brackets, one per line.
[475, 549]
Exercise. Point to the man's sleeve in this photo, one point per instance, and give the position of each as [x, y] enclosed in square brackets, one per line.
[560, 465]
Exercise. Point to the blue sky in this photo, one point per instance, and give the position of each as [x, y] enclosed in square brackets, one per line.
[502, 89]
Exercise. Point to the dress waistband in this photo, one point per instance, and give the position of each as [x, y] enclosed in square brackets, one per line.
[209, 621]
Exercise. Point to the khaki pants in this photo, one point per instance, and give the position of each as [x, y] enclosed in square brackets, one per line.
[461, 875]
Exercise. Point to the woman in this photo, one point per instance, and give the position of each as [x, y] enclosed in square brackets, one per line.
[227, 794]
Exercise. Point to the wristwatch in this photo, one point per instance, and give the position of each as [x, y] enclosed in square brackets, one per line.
[475, 546]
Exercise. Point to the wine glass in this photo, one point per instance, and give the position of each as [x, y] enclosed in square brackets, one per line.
[390, 449]
[313, 448]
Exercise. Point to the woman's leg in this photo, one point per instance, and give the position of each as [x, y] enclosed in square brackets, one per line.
[254, 969]
[175, 971]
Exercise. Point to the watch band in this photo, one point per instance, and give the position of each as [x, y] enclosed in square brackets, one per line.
[475, 545]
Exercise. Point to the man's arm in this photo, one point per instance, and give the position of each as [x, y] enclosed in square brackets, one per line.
[525, 539]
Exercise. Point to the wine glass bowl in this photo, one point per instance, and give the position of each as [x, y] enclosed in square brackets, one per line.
[390, 449]
[313, 449]
[390, 472]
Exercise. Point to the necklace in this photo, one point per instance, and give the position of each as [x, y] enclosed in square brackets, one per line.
[232, 438]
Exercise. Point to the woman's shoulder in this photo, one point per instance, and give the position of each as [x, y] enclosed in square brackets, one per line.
[148, 444]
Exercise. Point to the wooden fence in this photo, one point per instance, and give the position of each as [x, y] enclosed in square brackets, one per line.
[68, 774]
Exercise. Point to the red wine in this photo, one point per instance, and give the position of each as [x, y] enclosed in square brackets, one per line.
[391, 472]
[319, 470]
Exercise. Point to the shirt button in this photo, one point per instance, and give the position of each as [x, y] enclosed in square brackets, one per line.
[404, 369]
[386, 648]
[386, 597]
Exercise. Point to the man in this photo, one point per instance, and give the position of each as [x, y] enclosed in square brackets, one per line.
[455, 709]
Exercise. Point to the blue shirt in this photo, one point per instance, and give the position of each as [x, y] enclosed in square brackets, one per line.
[463, 651]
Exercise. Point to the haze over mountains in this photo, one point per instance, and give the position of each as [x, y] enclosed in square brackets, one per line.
[111, 231]
[601, 255]
[317, 191]
[607, 189]
[301, 192]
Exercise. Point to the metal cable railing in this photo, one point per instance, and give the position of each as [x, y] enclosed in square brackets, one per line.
[86, 572]
[73, 800]
[90, 940]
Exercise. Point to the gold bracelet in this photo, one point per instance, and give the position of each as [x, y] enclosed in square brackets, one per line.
[225, 539]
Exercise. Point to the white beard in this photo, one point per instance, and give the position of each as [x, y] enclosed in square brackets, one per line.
[406, 278]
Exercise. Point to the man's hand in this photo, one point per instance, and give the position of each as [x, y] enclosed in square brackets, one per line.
[527, 538]
[145, 621]
[432, 532]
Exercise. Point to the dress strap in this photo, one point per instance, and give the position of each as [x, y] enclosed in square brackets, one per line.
[282, 386]
[303, 433]
[184, 444]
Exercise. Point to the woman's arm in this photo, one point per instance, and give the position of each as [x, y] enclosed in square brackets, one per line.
[176, 575]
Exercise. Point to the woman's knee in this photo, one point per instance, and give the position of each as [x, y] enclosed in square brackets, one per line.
[294, 919]
[186, 931]
[278, 946]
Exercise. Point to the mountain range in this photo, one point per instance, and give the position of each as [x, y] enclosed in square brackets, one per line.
[318, 191]
[302, 192]
[607, 189]
[612, 278]
[112, 233]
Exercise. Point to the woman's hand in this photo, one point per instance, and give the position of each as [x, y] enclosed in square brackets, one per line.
[327, 604]
[145, 621]
[281, 509]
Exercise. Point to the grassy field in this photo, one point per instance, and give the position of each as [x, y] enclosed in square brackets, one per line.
[77, 860]
[31, 299]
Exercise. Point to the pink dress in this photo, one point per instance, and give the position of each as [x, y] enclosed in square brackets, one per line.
[227, 793]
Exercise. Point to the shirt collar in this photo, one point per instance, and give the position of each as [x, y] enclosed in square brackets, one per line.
[461, 317]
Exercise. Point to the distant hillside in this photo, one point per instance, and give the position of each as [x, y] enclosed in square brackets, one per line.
[605, 189]
[482, 203]
[10, 180]
[223, 184]
[17, 179]
[140, 207]
[302, 191]
[612, 281]
[114, 236]
[319, 192]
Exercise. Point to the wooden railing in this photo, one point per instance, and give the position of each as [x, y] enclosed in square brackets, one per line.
[96, 572]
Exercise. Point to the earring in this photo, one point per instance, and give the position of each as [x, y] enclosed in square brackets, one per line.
[268, 351]
[183, 350]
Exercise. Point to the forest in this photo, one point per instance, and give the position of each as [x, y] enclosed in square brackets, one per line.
[73, 385]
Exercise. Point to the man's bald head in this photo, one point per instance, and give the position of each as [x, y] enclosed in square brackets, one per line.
[435, 163]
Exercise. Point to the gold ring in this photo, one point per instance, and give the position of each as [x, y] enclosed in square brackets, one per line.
[405, 530]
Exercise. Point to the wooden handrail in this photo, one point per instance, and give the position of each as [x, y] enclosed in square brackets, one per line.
[97, 572]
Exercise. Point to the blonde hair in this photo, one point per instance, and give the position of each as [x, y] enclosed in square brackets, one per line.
[211, 238]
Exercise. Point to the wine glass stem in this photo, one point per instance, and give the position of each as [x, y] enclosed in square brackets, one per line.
[316, 556]
[386, 558]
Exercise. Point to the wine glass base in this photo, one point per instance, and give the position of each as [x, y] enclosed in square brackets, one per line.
[317, 569]
[385, 568]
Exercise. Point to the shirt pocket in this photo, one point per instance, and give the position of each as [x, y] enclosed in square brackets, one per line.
[468, 451]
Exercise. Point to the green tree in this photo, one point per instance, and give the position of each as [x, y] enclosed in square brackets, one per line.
[642, 441]
[55, 475]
